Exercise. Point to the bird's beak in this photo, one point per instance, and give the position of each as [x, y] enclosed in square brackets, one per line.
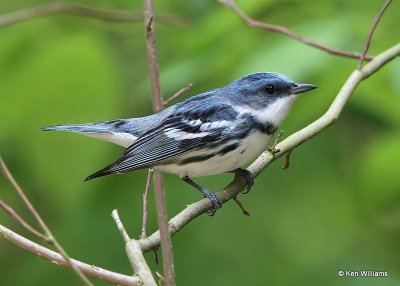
[302, 87]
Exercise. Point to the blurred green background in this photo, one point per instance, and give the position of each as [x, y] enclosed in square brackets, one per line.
[336, 208]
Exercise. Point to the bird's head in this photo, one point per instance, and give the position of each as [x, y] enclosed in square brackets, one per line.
[269, 85]
[270, 95]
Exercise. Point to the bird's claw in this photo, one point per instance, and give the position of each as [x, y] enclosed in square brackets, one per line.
[248, 177]
[217, 204]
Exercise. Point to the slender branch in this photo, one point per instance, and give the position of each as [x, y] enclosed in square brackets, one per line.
[238, 184]
[162, 217]
[12, 213]
[239, 203]
[145, 200]
[135, 254]
[177, 94]
[286, 164]
[88, 269]
[371, 31]
[79, 10]
[120, 226]
[152, 56]
[285, 31]
[161, 204]
[41, 222]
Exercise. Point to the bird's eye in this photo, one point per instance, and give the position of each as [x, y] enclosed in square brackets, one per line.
[269, 89]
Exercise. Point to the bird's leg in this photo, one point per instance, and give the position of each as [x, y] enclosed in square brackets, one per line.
[247, 176]
[272, 149]
[211, 196]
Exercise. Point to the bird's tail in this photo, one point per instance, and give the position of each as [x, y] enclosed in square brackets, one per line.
[103, 172]
[80, 128]
[111, 131]
[113, 168]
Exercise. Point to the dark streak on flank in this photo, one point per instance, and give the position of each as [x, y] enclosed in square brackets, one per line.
[195, 159]
[201, 158]
[228, 149]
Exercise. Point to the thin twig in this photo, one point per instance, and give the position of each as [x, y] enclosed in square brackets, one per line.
[145, 201]
[152, 56]
[58, 259]
[41, 222]
[161, 204]
[135, 254]
[285, 31]
[13, 214]
[120, 226]
[264, 160]
[371, 31]
[286, 164]
[177, 94]
[239, 203]
[79, 10]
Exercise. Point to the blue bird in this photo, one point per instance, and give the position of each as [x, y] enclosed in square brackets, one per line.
[213, 132]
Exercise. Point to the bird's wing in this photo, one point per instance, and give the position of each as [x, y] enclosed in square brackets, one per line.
[176, 135]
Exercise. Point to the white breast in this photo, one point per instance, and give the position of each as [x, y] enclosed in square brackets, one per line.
[249, 149]
[273, 113]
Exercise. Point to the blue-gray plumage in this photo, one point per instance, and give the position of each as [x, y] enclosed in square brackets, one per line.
[214, 132]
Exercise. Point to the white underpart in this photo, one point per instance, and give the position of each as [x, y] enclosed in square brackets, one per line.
[122, 139]
[249, 148]
[274, 113]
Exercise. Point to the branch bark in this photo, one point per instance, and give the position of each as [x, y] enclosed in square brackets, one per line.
[161, 204]
[145, 199]
[177, 94]
[13, 214]
[371, 31]
[58, 259]
[79, 10]
[135, 254]
[285, 31]
[47, 233]
[238, 184]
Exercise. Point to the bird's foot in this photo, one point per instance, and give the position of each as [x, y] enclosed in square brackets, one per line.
[247, 176]
[217, 204]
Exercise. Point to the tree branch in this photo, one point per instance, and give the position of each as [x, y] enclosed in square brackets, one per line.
[285, 31]
[161, 204]
[12, 213]
[238, 184]
[177, 94]
[79, 10]
[135, 254]
[145, 201]
[48, 234]
[58, 259]
[371, 31]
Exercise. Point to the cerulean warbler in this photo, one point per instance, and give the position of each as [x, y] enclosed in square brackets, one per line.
[214, 132]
